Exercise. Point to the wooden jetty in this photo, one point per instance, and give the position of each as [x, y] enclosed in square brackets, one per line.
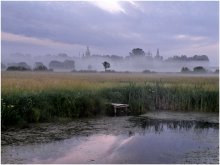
[117, 106]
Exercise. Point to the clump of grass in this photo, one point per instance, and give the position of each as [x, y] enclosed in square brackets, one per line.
[183, 98]
[47, 105]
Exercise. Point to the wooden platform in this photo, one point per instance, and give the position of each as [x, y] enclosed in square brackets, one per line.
[117, 106]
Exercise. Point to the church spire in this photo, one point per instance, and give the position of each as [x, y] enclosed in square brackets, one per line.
[158, 53]
[87, 54]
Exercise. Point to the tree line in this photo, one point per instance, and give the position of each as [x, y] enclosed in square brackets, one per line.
[39, 66]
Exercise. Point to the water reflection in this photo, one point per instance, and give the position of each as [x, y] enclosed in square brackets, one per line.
[126, 140]
[148, 124]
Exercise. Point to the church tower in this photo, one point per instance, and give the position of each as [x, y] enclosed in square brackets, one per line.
[158, 57]
[158, 53]
[87, 54]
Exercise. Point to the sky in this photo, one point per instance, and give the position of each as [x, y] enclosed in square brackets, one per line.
[111, 27]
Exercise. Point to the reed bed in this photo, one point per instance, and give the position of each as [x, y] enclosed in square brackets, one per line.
[39, 97]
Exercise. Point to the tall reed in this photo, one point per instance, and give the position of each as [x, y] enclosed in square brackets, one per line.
[69, 101]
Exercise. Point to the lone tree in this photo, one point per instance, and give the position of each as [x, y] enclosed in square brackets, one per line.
[106, 65]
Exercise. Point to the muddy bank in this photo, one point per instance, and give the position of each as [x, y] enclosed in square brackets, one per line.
[47, 132]
[151, 138]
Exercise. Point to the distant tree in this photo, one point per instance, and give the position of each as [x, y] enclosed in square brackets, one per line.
[56, 64]
[38, 64]
[21, 66]
[217, 71]
[137, 52]
[17, 68]
[24, 64]
[63, 55]
[185, 58]
[40, 67]
[200, 58]
[185, 70]
[148, 71]
[106, 65]
[69, 64]
[116, 58]
[199, 69]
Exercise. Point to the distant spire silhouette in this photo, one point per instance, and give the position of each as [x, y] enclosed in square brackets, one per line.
[87, 54]
[158, 57]
[158, 53]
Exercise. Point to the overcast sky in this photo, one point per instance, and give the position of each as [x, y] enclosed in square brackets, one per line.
[110, 27]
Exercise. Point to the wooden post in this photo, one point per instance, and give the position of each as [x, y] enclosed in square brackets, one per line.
[115, 110]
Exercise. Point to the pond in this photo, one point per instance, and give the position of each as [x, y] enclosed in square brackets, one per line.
[151, 138]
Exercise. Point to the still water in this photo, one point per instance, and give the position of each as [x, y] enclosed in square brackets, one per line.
[126, 140]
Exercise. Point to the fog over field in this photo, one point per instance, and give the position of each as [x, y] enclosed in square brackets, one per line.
[93, 63]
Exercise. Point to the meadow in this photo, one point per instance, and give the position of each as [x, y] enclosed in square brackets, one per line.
[46, 96]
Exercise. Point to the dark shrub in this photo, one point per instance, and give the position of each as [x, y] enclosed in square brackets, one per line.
[40, 67]
[148, 71]
[17, 68]
[34, 115]
[199, 69]
[185, 70]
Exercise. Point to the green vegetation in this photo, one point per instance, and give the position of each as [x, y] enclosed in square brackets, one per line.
[39, 97]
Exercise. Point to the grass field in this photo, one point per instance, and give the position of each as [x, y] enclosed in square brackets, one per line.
[32, 97]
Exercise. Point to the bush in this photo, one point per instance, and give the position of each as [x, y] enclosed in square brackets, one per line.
[148, 71]
[199, 69]
[9, 115]
[34, 115]
[40, 67]
[17, 68]
[185, 70]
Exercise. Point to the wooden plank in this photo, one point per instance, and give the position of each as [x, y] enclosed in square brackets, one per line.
[116, 105]
[119, 105]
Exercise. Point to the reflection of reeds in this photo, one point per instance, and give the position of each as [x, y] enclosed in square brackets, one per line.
[158, 125]
[32, 97]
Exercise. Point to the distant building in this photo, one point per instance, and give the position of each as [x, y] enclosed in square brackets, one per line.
[158, 57]
[149, 53]
[87, 54]
[158, 53]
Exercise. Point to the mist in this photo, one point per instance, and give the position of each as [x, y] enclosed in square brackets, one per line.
[94, 63]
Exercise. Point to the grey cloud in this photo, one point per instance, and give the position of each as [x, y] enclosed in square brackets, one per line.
[148, 25]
